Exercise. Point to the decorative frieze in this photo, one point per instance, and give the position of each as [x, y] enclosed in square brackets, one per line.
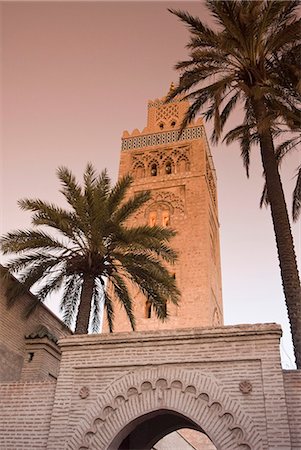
[150, 140]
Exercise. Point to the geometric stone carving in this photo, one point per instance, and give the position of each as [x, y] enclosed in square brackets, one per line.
[245, 387]
[188, 392]
[84, 392]
[163, 200]
[148, 140]
[161, 162]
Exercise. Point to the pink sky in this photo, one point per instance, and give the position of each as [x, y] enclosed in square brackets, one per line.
[74, 76]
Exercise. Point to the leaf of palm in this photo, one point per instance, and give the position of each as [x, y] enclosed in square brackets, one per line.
[72, 191]
[70, 298]
[122, 294]
[153, 239]
[52, 216]
[118, 193]
[210, 38]
[109, 308]
[20, 262]
[130, 207]
[297, 197]
[51, 284]
[288, 34]
[228, 15]
[18, 241]
[151, 276]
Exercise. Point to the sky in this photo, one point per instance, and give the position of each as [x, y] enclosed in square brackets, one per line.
[74, 75]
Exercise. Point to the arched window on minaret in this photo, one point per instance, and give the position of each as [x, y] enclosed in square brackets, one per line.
[154, 170]
[148, 309]
[152, 218]
[165, 218]
[168, 168]
[139, 171]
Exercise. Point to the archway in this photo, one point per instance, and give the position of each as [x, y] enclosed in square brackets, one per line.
[188, 399]
[150, 429]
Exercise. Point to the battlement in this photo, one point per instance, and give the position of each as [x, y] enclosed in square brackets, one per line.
[164, 116]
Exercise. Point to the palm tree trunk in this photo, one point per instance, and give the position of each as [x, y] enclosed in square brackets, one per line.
[83, 315]
[282, 229]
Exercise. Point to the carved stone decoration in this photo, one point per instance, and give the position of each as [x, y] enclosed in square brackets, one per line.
[149, 140]
[195, 395]
[245, 387]
[162, 200]
[142, 163]
[84, 392]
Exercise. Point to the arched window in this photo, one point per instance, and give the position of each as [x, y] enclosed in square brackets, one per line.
[183, 165]
[152, 219]
[154, 170]
[148, 309]
[168, 168]
[139, 171]
[165, 218]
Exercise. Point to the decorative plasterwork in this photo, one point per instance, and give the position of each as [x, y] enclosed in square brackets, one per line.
[178, 159]
[160, 102]
[149, 140]
[186, 391]
[173, 201]
[167, 112]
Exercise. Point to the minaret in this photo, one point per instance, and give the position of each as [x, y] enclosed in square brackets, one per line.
[180, 174]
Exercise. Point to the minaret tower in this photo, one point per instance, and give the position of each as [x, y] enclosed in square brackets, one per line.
[180, 174]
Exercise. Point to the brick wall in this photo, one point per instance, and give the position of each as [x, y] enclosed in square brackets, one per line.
[14, 326]
[228, 356]
[25, 411]
[292, 384]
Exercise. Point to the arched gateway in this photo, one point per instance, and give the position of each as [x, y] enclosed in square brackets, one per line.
[182, 397]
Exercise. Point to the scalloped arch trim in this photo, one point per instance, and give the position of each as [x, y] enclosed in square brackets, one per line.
[186, 391]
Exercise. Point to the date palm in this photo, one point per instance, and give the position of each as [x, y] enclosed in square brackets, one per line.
[237, 63]
[88, 246]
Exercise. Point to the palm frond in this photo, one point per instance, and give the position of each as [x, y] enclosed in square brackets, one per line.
[118, 193]
[123, 296]
[97, 299]
[109, 309]
[297, 196]
[130, 207]
[70, 298]
[18, 241]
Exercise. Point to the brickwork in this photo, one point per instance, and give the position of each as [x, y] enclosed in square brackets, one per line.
[14, 326]
[180, 174]
[292, 385]
[25, 411]
[42, 361]
[235, 370]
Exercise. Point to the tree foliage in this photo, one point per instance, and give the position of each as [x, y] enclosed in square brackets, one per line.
[251, 59]
[78, 250]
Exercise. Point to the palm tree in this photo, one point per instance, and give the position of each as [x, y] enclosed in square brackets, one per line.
[91, 245]
[236, 63]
